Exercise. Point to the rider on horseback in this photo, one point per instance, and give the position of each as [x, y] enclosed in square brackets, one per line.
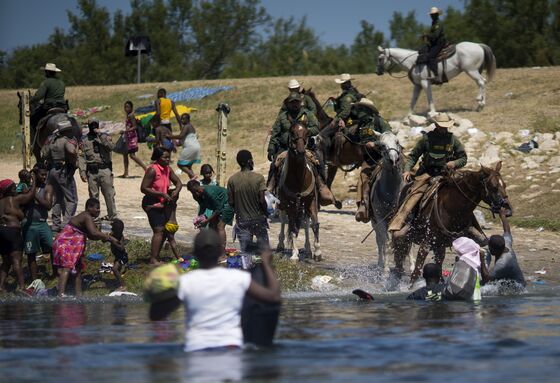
[295, 87]
[435, 39]
[369, 125]
[295, 112]
[343, 103]
[440, 151]
[50, 93]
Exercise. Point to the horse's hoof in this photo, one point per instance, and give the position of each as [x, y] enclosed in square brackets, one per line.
[294, 258]
[338, 205]
[280, 249]
[318, 256]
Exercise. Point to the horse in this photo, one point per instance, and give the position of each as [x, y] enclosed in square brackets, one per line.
[449, 214]
[385, 191]
[470, 58]
[298, 195]
[347, 155]
[38, 137]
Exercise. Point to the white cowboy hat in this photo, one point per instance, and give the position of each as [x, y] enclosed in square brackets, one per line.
[51, 67]
[293, 84]
[435, 10]
[343, 78]
[443, 120]
[367, 103]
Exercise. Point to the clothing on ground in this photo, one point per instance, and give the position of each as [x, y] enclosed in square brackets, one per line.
[68, 247]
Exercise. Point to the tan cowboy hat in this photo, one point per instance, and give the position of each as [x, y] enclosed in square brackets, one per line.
[345, 77]
[435, 10]
[366, 102]
[294, 84]
[51, 67]
[443, 120]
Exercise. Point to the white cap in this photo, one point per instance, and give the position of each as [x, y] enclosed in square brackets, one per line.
[51, 67]
[435, 10]
[345, 77]
[293, 84]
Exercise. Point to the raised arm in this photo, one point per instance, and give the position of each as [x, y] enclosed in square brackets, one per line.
[505, 223]
[263, 293]
[26, 198]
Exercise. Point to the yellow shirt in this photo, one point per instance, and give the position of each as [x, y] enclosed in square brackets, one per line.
[165, 106]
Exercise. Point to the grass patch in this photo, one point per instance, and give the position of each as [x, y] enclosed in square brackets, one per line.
[546, 124]
[535, 223]
[295, 276]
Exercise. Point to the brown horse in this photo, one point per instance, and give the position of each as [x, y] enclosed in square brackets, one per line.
[298, 195]
[54, 117]
[449, 215]
[337, 150]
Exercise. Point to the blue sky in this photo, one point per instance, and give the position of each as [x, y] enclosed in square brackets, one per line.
[335, 21]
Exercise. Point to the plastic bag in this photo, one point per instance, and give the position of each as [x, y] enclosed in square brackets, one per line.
[121, 146]
[462, 282]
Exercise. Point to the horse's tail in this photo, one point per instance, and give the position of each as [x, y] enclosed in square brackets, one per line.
[489, 64]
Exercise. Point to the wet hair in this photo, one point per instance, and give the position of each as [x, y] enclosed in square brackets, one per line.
[24, 173]
[192, 184]
[206, 168]
[431, 271]
[129, 103]
[117, 228]
[496, 245]
[40, 166]
[243, 157]
[208, 247]
[158, 152]
[91, 202]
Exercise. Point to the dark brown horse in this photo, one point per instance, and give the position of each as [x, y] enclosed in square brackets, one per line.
[298, 195]
[449, 215]
[38, 137]
[337, 150]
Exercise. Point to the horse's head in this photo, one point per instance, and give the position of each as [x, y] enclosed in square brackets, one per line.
[383, 61]
[389, 146]
[298, 138]
[494, 193]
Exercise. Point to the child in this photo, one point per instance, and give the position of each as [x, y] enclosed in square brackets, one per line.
[24, 181]
[207, 172]
[171, 227]
[162, 134]
[119, 251]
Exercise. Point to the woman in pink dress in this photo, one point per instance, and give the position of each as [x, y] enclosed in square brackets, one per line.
[131, 138]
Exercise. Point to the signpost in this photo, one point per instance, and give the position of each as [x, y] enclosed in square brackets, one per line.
[136, 46]
[221, 144]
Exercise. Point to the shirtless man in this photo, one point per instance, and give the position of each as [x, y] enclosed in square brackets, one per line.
[11, 240]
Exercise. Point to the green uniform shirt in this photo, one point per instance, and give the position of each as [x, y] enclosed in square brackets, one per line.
[343, 104]
[307, 104]
[369, 124]
[436, 150]
[281, 129]
[436, 33]
[245, 187]
[52, 92]
[96, 150]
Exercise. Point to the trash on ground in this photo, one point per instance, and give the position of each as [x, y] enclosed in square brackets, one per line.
[322, 283]
[540, 229]
[541, 271]
[122, 293]
[526, 147]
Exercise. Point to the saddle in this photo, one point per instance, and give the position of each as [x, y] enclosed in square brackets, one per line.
[312, 162]
[446, 52]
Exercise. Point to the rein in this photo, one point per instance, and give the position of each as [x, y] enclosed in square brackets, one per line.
[468, 198]
[396, 63]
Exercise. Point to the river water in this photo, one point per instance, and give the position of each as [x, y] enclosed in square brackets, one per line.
[321, 337]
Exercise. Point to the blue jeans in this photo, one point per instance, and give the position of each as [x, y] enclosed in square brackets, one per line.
[246, 229]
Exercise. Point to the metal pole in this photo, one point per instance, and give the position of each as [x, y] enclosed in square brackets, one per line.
[138, 66]
[221, 144]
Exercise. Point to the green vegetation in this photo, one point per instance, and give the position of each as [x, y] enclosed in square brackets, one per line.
[546, 124]
[534, 223]
[193, 40]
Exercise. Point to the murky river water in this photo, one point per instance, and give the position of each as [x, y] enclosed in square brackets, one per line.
[320, 338]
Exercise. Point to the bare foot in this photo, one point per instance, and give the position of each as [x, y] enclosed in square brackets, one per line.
[123, 175]
[154, 262]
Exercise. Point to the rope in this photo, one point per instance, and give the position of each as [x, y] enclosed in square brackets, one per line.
[393, 63]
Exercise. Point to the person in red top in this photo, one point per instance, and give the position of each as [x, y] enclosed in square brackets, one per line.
[131, 138]
[155, 187]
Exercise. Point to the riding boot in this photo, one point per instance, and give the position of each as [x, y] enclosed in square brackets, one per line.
[271, 182]
[326, 196]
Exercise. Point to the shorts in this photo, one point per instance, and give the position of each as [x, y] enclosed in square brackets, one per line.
[37, 236]
[157, 217]
[10, 240]
[132, 151]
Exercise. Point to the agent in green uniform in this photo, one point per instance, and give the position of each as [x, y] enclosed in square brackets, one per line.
[435, 41]
[440, 150]
[96, 167]
[343, 103]
[49, 95]
[295, 87]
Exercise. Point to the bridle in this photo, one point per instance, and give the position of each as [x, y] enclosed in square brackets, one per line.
[394, 62]
[494, 205]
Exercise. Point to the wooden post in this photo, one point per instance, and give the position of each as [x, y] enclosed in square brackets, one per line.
[221, 144]
[26, 132]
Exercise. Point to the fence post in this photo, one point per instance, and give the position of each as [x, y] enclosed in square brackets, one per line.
[221, 144]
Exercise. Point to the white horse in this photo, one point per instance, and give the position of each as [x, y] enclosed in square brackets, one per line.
[470, 58]
[385, 191]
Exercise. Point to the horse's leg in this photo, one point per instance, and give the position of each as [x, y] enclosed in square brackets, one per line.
[481, 82]
[428, 89]
[415, 93]
[331, 173]
[422, 254]
[412, 261]
[292, 244]
[281, 235]
[381, 239]
[401, 247]
[314, 215]
[307, 245]
[439, 254]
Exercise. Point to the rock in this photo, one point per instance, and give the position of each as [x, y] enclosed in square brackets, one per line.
[554, 162]
[542, 137]
[539, 159]
[463, 123]
[523, 132]
[502, 136]
[554, 171]
[557, 135]
[477, 136]
[529, 163]
[508, 95]
[491, 156]
[549, 145]
[395, 126]
[416, 120]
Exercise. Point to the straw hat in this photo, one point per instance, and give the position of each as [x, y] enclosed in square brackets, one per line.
[345, 77]
[51, 67]
[294, 84]
[435, 10]
[366, 102]
[443, 120]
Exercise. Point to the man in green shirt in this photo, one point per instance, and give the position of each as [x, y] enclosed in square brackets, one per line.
[343, 103]
[440, 151]
[246, 196]
[49, 95]
[215, 198]
[435, 42]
